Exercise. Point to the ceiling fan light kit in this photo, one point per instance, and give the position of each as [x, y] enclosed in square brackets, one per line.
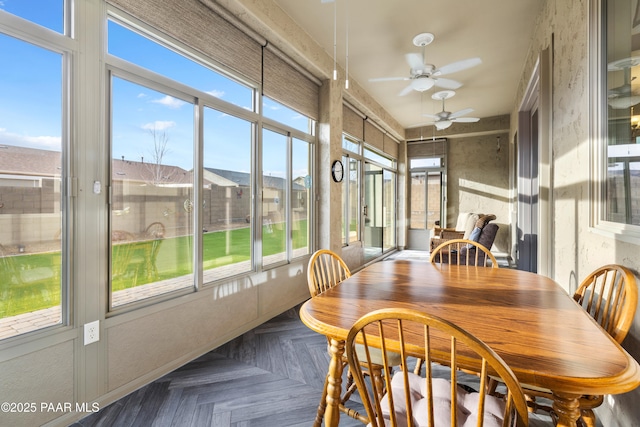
[424, 76]
[443, 124]
[445, 119]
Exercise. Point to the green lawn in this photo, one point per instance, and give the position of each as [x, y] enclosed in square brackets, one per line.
[174, 259]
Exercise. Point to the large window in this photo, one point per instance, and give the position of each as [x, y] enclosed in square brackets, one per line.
[226, 195]
[274, 197]
[286, 186]
[283, 114]
[426, 192]
[133, 47]
[33, 152]
[351, 216]
[368, 198]
[618, 118]
[301, 197]
[379, 209]
[152, 192]
[184, 140]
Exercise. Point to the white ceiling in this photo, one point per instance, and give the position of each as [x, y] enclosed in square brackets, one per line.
[381, 33]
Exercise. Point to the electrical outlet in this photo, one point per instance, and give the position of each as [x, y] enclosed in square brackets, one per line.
[91, 332]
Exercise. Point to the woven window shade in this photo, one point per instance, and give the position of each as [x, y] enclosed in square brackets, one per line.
[390, 146]
[426, 148]
[288, 84]
[373, 136]
[352, 123]
[200, 28]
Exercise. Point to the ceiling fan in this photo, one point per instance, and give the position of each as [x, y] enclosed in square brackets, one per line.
[622, 97]
[444, 118]
[424, 76]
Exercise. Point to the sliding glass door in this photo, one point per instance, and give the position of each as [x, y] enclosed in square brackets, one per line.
[373, 210]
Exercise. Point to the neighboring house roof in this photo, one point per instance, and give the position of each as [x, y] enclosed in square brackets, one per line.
[149, 172]
[25, 161]
[219, 179]
[244, 179]
[16, 160]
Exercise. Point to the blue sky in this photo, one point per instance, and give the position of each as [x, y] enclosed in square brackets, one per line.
[30, 99]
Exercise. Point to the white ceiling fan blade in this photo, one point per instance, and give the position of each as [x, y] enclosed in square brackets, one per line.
[465, 119]
[388, 79]
[461, 113]
[415, 61]
[448, 83]
[432, 116]
[406, 90]
[457, 66]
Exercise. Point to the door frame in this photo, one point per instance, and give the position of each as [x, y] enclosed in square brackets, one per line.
[537, 102]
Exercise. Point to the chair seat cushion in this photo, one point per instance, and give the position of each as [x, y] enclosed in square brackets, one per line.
[393, 359]
[467, 403]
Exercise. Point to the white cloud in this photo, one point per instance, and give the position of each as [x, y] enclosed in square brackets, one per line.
[169, 101]
[159, 125]
[217, 93]
[142, 95]
[270, 106]
[40, 142]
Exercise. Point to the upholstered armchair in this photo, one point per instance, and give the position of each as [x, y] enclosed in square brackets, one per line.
[471, 255]
[464, 226]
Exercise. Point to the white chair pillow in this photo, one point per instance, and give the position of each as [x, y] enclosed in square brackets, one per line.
[467, 403]
[470, 225]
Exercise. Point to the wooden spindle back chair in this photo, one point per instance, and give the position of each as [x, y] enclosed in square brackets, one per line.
[610, 295]
[427, 401]
[463, 252]
[325, 270]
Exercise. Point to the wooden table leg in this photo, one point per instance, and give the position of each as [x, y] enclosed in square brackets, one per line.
[334, 384]
[567, 409]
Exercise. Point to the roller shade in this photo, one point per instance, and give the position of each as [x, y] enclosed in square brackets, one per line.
[390, 146]
[199, 27]
[289, 84]
[352, 123]
[427, 148]
[373, 136]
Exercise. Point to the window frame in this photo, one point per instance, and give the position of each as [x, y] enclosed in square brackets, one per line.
[377, 157]
[146, 77]
[153, 83]
[347, 156]
[443, 190]
[598, 117]
[61, 43]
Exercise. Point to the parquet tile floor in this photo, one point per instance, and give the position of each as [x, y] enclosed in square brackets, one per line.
[270, 376]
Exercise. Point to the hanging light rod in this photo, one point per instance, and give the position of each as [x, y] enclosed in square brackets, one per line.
[335, 41]
[346, 74]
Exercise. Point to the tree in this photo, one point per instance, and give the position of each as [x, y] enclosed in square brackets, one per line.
[159, 173]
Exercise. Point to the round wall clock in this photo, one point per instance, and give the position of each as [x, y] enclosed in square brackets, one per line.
[337, 171]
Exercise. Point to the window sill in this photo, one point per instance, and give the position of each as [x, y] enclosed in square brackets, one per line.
[621, 232]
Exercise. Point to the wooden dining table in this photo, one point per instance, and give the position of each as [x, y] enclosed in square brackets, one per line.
[544, 336]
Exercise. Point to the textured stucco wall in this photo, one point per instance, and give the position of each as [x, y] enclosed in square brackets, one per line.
[577, 249]
[478, 181]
